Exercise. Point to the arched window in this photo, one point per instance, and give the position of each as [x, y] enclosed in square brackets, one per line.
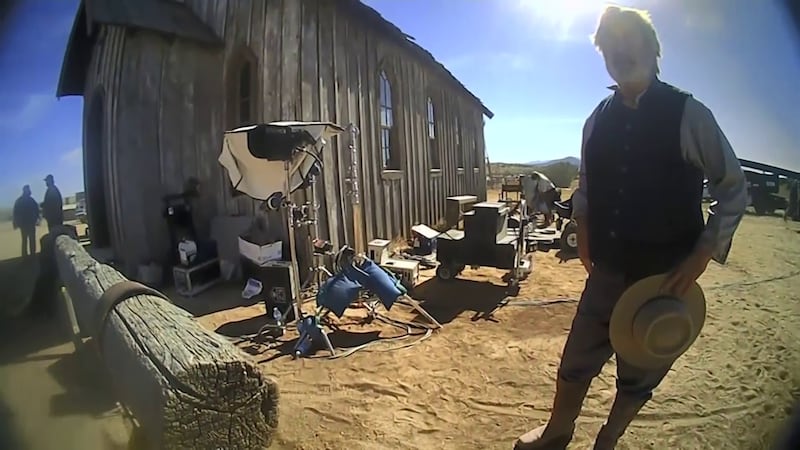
[476, 163]
[242, 89]
[388, 156]
[431, 121]
[245, 97]
[434, 149]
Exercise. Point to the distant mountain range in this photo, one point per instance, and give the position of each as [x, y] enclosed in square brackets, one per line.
[571, 160]
[561, 171]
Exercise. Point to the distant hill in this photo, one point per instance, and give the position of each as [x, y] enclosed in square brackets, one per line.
[569, 160]
[560, 171]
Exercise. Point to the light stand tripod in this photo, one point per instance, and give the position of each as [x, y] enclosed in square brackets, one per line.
[380, 282]
[295, 216]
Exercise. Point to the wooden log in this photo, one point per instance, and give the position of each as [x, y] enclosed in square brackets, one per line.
[186, 386]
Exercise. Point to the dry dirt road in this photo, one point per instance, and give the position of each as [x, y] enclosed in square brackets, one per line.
[484, 378]
[482, 381]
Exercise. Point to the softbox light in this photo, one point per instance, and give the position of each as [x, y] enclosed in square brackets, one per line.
[255, 155]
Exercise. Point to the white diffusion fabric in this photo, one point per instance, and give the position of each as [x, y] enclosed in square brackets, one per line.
[257, 178]
[260, 178]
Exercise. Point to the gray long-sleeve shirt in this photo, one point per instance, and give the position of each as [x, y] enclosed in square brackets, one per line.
[704, 145]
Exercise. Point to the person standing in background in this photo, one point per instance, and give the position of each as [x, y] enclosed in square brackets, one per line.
[791, 211]
[53, 205]
[25, 217]
[540, 194]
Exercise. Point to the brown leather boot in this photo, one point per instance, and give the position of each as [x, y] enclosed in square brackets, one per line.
[622, 413]
[557, 433]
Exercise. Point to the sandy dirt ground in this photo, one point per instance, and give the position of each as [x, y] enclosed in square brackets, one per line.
[485, 378]
[51, 397]
[478, 383]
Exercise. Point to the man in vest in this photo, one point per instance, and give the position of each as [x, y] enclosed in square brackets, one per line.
[646, 149]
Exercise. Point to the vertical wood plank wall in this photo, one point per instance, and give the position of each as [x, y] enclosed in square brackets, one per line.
[166, 110]
[104, 78]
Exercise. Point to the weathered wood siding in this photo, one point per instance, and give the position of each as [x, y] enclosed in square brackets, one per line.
[163, 125]
[314, 62]
[317, 63]
[103, 79]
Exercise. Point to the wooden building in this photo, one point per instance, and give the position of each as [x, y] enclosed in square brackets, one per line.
[163, 79]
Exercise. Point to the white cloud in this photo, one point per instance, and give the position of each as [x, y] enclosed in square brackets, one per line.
[73, 156]
[28, 114]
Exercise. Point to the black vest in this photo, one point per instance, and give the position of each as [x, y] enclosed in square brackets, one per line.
[643, 196]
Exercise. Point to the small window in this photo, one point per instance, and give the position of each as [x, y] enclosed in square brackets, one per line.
[242, 89]
[388, 156]
[434, 149]
[431, 122]
[478, 153]
[460, 155]
[245, 95]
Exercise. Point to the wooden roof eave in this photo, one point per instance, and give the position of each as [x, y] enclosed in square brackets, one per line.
[168, 18]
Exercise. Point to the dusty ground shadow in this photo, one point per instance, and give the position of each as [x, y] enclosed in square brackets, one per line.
[51, 397]
[480, 383]
[444, 303]
[9, 437]
[16, 276]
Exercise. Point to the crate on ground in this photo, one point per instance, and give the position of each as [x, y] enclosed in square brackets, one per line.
[406, 270]
[378, 250]
[456, 206]
[260, 253]
[194, 279]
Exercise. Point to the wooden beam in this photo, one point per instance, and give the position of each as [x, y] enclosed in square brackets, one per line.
[186, 386]
[768, 168]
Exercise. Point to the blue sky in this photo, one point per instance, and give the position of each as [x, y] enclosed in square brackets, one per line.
[530, 61]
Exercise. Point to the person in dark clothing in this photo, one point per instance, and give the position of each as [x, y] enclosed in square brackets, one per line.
[646, 149]
[793, 208]
[26, 216]
[53, 205]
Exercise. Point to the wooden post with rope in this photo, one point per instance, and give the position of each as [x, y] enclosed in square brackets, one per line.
[355, 192]
[186, 386]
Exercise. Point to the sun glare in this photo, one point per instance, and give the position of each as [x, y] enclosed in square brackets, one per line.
[564, 19]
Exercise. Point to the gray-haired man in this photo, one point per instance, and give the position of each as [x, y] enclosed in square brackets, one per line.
[646, 149]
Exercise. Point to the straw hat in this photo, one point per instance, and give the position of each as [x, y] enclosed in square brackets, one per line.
[650, 330]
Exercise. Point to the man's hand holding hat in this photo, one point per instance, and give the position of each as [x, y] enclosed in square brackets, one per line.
[688, 271]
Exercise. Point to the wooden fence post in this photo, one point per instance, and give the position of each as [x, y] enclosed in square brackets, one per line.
[186, 386]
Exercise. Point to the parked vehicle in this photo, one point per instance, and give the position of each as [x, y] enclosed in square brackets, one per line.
[568, 227]
[80, 211]
[763, 186]
[762, 192]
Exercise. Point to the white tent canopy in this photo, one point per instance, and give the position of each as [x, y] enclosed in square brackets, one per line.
[260, 177]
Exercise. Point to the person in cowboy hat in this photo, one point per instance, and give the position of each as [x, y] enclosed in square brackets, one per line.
[641, 235]
[53, 204]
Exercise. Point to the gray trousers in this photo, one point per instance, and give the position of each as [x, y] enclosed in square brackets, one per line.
[28, 235]
[588, 347]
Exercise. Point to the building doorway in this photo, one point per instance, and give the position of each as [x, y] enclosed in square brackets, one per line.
[95, 164]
